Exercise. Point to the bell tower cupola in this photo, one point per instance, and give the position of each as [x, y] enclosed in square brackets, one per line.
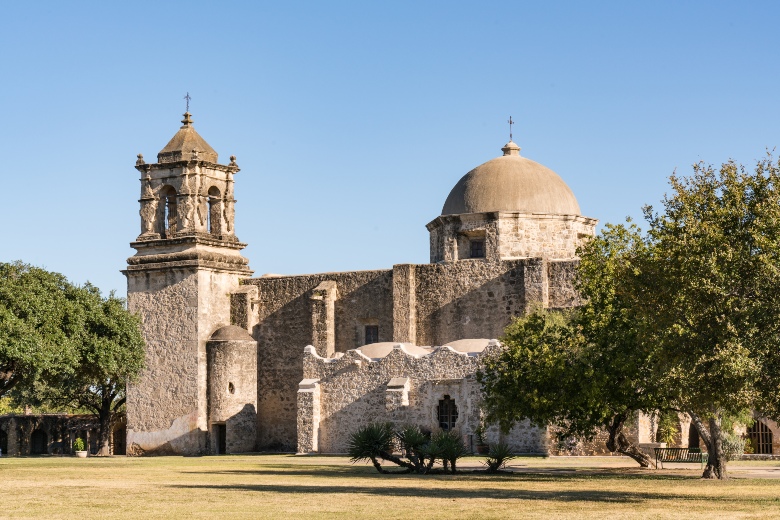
[187, 192]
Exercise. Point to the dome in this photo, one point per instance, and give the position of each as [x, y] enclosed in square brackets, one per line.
[511, 183]
[380, 350]
[231, 333]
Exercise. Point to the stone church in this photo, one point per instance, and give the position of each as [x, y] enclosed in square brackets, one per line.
[237, 363]
[296, 363]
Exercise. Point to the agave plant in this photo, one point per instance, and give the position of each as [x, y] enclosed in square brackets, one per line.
[498, 456]
[448, 446]
[370, 443]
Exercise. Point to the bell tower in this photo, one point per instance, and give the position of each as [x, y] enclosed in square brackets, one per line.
[187, 263]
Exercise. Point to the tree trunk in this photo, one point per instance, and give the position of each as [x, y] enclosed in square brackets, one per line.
[106, 418]
[713, 439]
[618, 442]
[104, 436]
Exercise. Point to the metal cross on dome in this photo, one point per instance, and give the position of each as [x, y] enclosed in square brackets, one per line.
[187, 97]
[510, 127]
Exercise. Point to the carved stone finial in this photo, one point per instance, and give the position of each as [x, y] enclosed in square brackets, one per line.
[233, 160]
[140, 160]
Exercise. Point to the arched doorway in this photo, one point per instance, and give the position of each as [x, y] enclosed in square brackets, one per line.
[693, 437]
[760, 438]
[119, 445]
[39, 442]
[3, 442]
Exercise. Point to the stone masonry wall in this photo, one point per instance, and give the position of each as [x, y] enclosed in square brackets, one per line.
[232, 367]
[162, 407]
[355, 390]
[561, 289]
[523, 235]
[509, 235]
[428, 304]
[471, 298]
[284, 325]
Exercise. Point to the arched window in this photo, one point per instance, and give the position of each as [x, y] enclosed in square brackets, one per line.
[448, 413]
[3, 443]
[168, 206]
[39, 442]
[215, 211]
[761, 438]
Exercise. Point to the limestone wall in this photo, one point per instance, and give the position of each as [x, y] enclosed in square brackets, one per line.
[522, 235]
[284, 323]
[473, 298]
[428, 304]
[339, 395]
[509, 235]
[162, 406]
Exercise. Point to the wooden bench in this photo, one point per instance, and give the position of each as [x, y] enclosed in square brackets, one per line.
[681, 455]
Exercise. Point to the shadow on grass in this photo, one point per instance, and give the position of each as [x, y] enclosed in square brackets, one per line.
[604, 496]
[532, 474]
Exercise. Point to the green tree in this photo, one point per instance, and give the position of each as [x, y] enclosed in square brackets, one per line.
[715, 296]
[550, 374]
[36, 328]
[109, 353]
[583, 370]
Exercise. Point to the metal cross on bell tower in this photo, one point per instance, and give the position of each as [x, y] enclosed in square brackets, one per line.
[187, 97]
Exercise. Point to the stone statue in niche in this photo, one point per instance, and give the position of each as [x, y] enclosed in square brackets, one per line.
[148, 213]
[146, 187]
[200, 214]
[230, 214]
[187, 213]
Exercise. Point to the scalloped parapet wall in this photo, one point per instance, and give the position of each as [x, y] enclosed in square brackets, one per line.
[344, 392]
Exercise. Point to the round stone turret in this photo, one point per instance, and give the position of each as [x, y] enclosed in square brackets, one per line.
[232, 377]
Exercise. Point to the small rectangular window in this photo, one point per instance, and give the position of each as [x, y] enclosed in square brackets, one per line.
[477, 249]
[372, 334]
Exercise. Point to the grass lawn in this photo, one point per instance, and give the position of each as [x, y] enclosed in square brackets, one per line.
[278, 486]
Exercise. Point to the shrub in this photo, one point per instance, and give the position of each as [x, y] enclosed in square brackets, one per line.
[377, 441]
[733, 446]
[498, 456]
[449, 447]
[371, 442]
[78, 445]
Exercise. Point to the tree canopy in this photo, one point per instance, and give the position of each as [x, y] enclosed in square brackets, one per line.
[684, 317]
[36, 325]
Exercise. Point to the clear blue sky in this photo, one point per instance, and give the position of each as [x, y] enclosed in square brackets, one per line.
[351, 121]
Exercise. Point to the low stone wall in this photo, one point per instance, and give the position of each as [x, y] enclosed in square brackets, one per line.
[339, 395]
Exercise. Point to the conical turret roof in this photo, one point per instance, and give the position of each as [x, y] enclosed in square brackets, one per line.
[187, 144]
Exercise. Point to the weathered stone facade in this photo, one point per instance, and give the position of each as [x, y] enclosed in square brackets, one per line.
[505, 243]
[340, 394]
[508, 235]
